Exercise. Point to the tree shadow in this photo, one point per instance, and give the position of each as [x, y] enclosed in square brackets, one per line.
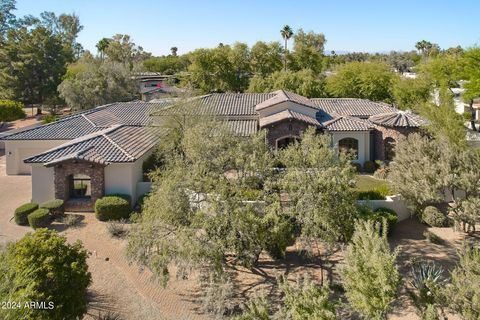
[99, 303]
[69, 221]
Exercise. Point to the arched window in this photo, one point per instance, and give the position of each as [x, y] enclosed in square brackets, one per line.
[349, 145]
[389, 144]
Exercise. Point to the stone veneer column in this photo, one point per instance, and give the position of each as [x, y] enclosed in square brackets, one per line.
[96, 172]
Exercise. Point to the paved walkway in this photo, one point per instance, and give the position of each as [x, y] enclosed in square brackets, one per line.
[14, 191]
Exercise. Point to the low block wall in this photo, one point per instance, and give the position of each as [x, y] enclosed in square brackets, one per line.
[392, 202]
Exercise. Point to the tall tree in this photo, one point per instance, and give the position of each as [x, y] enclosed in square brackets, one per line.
[304, 82]
[91, 82]
[369, 274]
[102, 46]
[308, 50]
[32, 63]
[7, 18]
[471, 72]
[266, 58]
[173, 51]
[427, 48]
[366, 80]
[324, 207]
[286, 33]
[122, 49]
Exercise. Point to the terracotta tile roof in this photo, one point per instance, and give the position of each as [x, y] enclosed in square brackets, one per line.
[243, 127]
[283, 96]
[219, 104]
[288, 114]
[119, 143]
[346, 123]
[405, 119]
[351, 107]
[93, 120]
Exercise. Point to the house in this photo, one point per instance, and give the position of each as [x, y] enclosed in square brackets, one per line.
[101, 151]
[154, 85]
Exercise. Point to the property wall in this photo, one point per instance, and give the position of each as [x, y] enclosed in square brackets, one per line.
[42, 183]
[363, 138]
[288, 105]
[393, 202]
[17, 150]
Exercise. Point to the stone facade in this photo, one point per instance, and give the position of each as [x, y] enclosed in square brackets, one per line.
[284, 129]
[63, 183]
[382, 133]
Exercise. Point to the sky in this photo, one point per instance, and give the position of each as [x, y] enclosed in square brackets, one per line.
[348, 25]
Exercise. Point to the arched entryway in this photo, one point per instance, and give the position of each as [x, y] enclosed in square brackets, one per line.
[350, 146]
[284, 142]
[389, 145]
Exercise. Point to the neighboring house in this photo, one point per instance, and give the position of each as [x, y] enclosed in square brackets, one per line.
[101, 151]
[154, 85]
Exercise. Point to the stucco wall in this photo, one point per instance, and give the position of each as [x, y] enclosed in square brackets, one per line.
[42, 184]
[363, 138]
[17, 150]
[393, 202]
[124, 177]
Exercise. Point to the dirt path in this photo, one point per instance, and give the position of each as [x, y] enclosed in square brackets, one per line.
[121, 288]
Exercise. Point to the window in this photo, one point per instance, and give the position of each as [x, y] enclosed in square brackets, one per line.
[349, 145]
[389, 144]
[80, 186]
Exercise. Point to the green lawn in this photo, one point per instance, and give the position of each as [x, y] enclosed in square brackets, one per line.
[367, 183]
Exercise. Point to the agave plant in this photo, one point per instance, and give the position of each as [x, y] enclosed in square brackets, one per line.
[427, 277]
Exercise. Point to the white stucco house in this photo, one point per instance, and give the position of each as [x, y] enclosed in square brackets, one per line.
[102, 150]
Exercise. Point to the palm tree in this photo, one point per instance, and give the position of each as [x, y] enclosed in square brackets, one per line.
[286, 33]
[102, 45]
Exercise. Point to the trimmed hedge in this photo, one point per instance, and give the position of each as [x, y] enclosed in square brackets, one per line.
[433, 217]
[22, 212]
[379, 193]
[39, 218]
[389, 214]
[378, 215]
[369, 166]
[113, 207]
[56, 207]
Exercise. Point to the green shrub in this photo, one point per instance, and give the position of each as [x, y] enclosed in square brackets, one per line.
[56, 207]
[378, 215]
[117, 229]
[113, 207]
[39, 218]
[369, 167]
[22, 212]
[389, 214]
[357, 166]
[252, 194]
[433, 217]
[11, 110]
[279, 234]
